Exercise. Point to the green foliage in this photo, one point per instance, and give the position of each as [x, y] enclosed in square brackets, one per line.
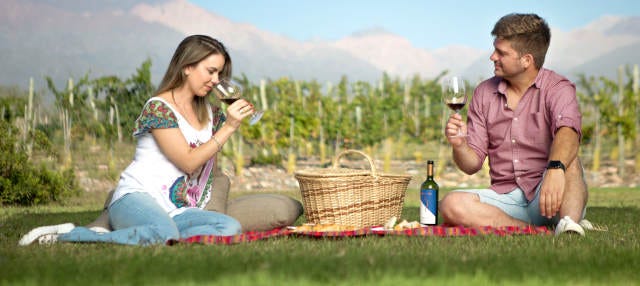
[602, 100]
[355, 115]
[12, 102]
[24, 183]
[269, 159]
[129, 95]
[97, 106]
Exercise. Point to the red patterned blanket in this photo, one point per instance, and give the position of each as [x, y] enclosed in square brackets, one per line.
[440, 231]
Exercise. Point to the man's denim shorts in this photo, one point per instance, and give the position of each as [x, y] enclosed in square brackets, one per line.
[516, 205]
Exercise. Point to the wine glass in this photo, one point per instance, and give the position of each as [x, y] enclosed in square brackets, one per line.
[454, 94]
[228, 91]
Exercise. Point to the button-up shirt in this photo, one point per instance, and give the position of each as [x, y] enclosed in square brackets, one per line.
[518, 142]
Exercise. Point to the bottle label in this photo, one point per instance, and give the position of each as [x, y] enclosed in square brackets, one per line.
[428, 207]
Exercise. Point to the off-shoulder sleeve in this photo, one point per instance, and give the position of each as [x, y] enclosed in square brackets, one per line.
[155, 114]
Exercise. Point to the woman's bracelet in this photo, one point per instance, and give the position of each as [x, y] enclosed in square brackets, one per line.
[217, 142]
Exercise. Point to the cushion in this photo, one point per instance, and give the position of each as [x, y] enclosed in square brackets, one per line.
[219, 192]
[264, 211]
[103, 220]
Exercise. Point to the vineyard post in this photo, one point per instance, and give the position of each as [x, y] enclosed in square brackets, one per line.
[619, 124]
[29, 120]
[636, 95]
[388, 151]
[291, 160]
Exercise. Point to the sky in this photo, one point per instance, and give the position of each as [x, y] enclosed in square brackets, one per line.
[426, 24]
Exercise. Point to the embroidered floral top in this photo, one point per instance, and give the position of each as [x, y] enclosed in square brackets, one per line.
[153, 173]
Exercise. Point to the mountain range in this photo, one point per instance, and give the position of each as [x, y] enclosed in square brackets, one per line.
[73, 38]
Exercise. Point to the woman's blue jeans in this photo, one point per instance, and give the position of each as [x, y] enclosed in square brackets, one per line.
[137, 219]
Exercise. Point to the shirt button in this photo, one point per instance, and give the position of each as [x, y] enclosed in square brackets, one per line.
[518, 178]
[515, 161]
[513, 141]
[515, 118]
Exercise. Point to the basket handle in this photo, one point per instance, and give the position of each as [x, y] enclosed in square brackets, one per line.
[374, 172]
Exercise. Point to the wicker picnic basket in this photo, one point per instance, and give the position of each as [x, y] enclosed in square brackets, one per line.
[353, 197]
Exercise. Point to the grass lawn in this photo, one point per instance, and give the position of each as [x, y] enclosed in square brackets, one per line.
[611, 258]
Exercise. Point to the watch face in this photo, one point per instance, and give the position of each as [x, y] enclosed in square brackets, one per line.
[555, 165]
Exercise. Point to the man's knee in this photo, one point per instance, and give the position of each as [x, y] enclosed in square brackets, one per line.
[453, 206]
[575, 175]
[575, 168]
[576, 184]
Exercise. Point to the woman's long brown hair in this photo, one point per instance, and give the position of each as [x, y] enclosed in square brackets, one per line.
[189, 53]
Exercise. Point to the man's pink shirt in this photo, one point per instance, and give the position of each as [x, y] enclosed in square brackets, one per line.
[518, 141]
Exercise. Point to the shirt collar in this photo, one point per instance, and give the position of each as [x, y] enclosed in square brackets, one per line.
[540, 77]
[537, 83]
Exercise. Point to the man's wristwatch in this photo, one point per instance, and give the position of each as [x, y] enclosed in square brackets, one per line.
[556, 165]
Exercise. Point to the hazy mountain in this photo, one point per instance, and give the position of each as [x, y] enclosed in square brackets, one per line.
[578, 47]
[596, 49]
[607, 64]
[390, 53]
[38, 39]
[70, 38]
[256, 53]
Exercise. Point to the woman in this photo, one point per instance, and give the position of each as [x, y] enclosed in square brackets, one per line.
[161, 195]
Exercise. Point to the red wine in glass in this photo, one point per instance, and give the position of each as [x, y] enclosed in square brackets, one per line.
[454, 94]
[229, 101]
[229, 91]
[456, 106]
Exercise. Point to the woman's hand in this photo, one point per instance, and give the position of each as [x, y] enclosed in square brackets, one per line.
[237, 111]
[173, 144]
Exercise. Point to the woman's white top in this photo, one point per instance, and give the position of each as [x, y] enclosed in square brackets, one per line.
[151, 172]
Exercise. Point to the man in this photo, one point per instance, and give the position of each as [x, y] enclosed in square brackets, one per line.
[526, 119]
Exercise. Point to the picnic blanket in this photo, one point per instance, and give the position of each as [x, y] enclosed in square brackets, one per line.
[438, 231]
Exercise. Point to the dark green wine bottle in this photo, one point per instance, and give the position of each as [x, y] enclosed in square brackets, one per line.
[429, 198]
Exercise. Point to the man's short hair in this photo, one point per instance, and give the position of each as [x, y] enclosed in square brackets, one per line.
[528, 34]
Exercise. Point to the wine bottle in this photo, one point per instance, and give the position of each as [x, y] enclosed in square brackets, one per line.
[429, 198]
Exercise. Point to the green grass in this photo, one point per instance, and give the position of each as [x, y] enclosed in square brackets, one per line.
[611, 258]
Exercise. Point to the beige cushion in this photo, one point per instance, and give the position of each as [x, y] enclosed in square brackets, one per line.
[103, 219]
[264, 211]
[220, 193]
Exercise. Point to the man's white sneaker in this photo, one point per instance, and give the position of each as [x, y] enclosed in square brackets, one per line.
[567, 225]
[586, 225]
[46, 233]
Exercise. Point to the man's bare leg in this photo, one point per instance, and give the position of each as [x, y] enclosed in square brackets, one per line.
[575, 193]
[462, 208]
